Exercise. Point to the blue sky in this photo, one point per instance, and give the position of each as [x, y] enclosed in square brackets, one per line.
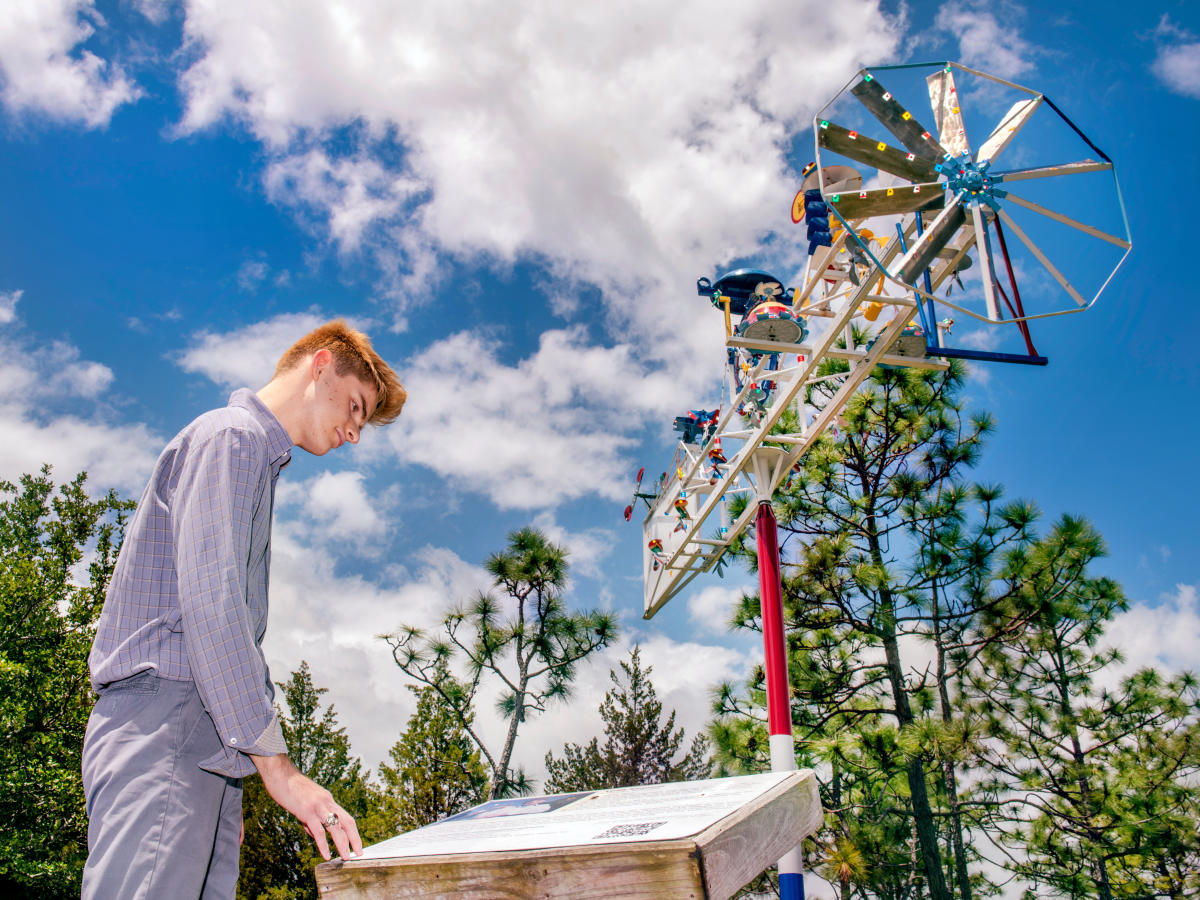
[516, 202]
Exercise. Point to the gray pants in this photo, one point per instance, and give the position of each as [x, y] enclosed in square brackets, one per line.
[158, 824]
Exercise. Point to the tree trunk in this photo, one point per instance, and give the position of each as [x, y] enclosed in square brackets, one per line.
[962, 876]
[922, 812]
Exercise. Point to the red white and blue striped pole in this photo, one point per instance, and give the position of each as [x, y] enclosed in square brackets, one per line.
[779, 709]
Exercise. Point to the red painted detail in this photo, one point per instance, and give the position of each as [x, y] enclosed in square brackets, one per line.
[1022, 326]
[779, 710]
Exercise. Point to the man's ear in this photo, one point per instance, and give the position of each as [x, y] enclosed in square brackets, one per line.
[320, 360]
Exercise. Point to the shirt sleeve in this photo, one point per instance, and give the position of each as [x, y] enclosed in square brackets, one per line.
[221, 479]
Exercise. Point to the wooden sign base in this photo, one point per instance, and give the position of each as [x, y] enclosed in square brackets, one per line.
[778, 811]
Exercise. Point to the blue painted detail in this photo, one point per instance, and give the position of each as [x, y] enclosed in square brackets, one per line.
[816, 214]
[920, 306]
[738, 286]
[986, 356]
[971, 181]
[791, 886]
[928, 286]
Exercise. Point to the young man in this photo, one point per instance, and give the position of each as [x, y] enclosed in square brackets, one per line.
[185, 705]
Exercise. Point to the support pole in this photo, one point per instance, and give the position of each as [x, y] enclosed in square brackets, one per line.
[767, 461]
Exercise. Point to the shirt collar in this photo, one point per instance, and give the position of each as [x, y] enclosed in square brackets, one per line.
[279, 445]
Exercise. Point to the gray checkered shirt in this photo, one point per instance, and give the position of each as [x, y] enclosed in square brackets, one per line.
[188, 599]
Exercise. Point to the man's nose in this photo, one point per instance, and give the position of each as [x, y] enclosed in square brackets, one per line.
[352, 434]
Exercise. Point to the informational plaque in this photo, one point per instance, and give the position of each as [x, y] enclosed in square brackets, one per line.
[698, 839]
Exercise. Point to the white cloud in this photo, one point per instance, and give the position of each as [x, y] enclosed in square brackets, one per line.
[332, 619]
[985, 337]
[334, 508]
[352, 195]
[587, 548]
[710, 608]
[684, 674]
[74, 376]
[984, 42]
[553, 143]
[33, 384]
[251, 274]
[546, 430]
[246, 357]
[45, 70]
[1177, 62]
[8, 306]
[551, 427]
[1164, 635]
[154, 10]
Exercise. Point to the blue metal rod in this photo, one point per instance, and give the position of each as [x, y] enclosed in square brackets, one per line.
[986, 356]
[920, 308]
[931, 334]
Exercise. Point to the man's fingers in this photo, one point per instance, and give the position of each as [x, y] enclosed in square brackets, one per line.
[317, 830]
[352, 834]
[340, 840]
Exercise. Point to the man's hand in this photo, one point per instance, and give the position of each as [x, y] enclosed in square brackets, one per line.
[310, 803]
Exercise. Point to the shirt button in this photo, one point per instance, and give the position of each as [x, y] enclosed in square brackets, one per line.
[233, 742]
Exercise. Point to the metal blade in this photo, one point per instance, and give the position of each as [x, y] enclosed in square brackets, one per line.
[984, 247]
[1067, 220]
[943, 98]
[937, 236]
[953, 256]
[1041, 257]
[1012, 122]
[889, 201]
[876, 154]
[896, 119]
[1075, 168]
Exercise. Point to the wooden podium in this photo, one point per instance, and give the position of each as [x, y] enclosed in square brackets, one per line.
[698, 839]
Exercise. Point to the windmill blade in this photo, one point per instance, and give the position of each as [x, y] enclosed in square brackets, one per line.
[889, 201]
[953, 256]
[876, 154]
[938, 235]
[1075, 168]
[943, 99]
[1041, 257]
[1067, 220]
[983, 247]
[896, 119]
[1012, 122]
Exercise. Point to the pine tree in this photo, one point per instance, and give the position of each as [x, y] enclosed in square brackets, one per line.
[532, 649]
[888, 548]
[278, 856]
[435, 770]
[1096, 789]
[47, 622]
[1000, 734]
[639, 746]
